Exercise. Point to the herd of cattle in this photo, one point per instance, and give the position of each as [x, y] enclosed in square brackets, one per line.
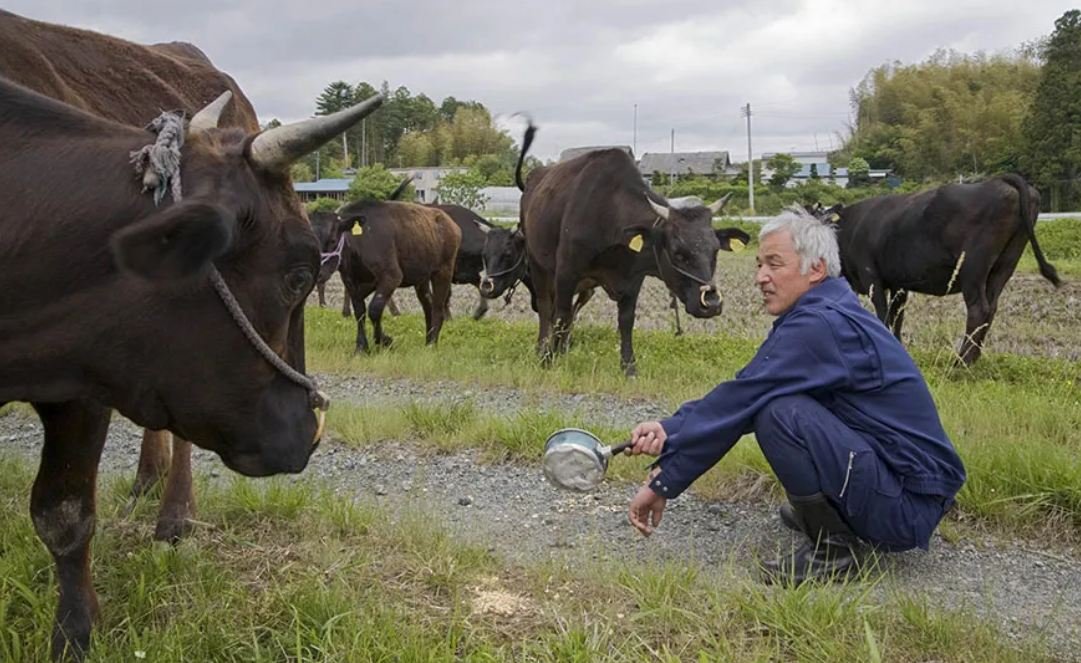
[188, 317]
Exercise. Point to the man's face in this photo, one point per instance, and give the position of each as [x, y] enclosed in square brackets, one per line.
[778, 275]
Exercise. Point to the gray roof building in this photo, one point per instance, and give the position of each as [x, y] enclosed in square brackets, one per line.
[685, 163]
[572, 152]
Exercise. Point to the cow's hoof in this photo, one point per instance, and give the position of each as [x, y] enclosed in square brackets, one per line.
[362, 350]
[630, 370]
[172, 530]
[385, 341]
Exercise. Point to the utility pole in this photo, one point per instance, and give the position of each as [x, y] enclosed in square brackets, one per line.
[345, 149]
[672, 173]
[364, 142]
[634, 143]
[750, 157]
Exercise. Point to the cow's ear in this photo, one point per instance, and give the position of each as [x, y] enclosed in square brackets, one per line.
[833, 214]
[732, 239]
[179, 242]
[637, 238]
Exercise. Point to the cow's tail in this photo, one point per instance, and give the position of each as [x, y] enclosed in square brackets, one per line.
[394, 195]
[527, 140]
[1029, 222]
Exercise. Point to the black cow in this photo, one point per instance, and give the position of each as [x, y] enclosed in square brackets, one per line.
[470, 263]
[593, 222]
[963, 238]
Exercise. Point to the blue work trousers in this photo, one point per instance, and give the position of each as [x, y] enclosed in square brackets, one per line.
[812, 451]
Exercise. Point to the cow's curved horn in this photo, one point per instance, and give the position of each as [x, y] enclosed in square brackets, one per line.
[277, 148]
[719, 205]
[661, 210]
[208, 117]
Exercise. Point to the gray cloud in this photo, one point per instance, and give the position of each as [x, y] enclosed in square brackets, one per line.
[579, 68]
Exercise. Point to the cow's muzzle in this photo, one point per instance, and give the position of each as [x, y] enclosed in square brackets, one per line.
[487, 287]
[708, 297]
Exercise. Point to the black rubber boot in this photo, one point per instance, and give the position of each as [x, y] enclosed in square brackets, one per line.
[789, 518]
[832, 549]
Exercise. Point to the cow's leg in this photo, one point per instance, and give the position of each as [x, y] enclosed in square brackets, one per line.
[178, 500]
[545, 307]
[627, 304]
[674, 305]
[383, 292]
[895, 318]
[581, 300]
[564, 313]
[62, 506]
[346, 300]
[482, 306]
[879, 297]
[424, 296]
[154, 458]
[321, 289]
[980, 314]
[359, 310]
[441, 304]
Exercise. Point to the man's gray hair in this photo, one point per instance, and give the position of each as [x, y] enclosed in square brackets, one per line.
[814, 239]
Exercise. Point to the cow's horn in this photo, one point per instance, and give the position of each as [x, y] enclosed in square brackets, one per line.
[277, 148]
[719, 205]
[209, 116]
[661, 210]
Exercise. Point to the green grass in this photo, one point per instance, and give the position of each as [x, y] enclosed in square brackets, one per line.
[1060, 241]
[1014, 420]
[289, 572]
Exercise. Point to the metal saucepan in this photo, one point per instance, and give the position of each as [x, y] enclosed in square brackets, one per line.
[576, 460]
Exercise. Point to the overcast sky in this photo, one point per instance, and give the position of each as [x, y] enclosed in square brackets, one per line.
[579, 67]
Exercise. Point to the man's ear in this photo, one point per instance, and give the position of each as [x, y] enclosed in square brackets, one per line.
[180, 241]
[818, 271]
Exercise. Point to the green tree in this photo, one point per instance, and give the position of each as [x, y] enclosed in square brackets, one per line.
[376, 183]
[322, 205]
[335, 97]
[783, 167]
[301, 172]
[859, 172]
[1053, 130]
[463, 188]
[953, 113]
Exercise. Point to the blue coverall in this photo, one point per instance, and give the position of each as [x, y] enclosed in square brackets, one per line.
[838, 407]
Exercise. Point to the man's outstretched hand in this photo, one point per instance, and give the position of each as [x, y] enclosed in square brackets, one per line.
[647, 507]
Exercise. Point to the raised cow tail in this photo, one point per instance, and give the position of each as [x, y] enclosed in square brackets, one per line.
[401, 188]
[527, 140]
[1028, 220]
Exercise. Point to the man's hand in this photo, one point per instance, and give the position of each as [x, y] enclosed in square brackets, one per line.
[648, 438]
[647, 507]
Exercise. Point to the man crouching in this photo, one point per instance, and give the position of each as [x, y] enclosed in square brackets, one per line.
[839, 409]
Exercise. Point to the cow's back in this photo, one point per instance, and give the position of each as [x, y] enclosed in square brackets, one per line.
[578, 201]
[417, 239]
[114, 78]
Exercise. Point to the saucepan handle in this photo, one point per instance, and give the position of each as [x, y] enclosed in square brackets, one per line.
[620, 448]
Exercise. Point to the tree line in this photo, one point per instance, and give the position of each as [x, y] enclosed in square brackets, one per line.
[970, 116]
[410, 130]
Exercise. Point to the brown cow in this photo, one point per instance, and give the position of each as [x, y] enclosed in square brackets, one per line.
[391, 245]
[190, 315]
[128, 83]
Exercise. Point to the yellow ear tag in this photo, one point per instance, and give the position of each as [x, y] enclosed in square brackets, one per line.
[357, 230]
[636, 243]
[834, 218]
[735, 244]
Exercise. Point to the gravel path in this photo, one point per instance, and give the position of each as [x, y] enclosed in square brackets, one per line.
[510, 509]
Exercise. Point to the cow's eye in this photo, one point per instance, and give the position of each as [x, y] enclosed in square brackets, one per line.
[299, 281]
